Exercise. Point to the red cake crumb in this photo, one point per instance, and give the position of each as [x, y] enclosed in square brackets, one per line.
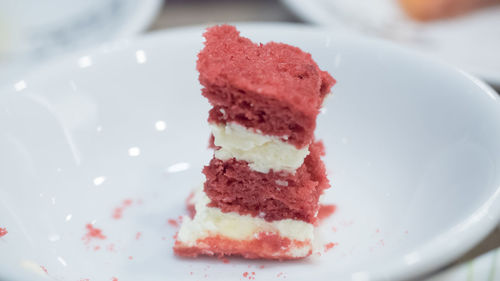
[347, 223]
[249, 275]
[233, 187]
[92, 233]
[138, 236]
[173, 222]
[3, 232]
[190, 205]
[114, 279]
[44, 269]
[264, 245]
[274, 87]
[191, 210]
[211, 143]
[325, 211]
[118, 211]
[329, 246]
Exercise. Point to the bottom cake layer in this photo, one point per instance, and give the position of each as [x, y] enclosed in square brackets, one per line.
[212, 232]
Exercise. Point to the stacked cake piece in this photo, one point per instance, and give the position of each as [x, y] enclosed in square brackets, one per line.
[260, 197]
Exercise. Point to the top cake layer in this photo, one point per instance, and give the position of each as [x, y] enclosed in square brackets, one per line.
[274, 88]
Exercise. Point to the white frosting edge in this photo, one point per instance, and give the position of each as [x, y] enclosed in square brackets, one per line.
[262, 152]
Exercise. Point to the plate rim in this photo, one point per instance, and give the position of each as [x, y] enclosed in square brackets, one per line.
[143, 17]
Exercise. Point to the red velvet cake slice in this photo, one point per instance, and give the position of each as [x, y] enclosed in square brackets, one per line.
[275, 88]
[260, 197]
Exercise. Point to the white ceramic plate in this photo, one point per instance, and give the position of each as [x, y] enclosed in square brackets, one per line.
[31, 31]
[470, 42]
[413, 148]
[484, 267]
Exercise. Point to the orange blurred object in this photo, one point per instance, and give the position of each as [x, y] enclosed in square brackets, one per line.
[426, 10]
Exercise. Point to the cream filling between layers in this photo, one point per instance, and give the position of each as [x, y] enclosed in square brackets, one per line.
[210, 222]
[262, 152]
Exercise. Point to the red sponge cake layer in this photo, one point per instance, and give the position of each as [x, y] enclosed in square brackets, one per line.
[263, 246]
[233, 186]
[275, 88]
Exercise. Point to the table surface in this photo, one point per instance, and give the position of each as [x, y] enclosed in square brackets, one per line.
[191, 12]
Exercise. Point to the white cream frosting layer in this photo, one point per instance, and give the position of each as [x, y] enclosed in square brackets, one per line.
[209, 222]
[262, 152]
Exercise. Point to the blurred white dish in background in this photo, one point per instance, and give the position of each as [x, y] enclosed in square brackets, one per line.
[470, 41]
[31, 30]
[412, 148]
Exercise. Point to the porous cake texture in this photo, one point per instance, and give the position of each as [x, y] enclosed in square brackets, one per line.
[261, 195]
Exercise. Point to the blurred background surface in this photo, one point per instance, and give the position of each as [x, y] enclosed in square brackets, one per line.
[465, 33]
